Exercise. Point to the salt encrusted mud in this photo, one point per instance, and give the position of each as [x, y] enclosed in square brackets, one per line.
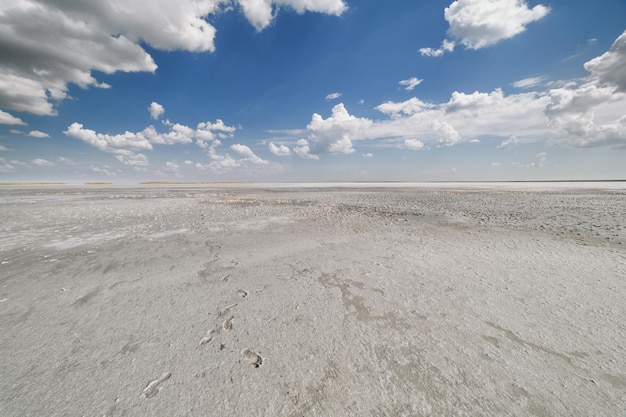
[318, 301]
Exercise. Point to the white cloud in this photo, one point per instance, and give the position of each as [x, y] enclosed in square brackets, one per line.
[126, 145]
[333, 96]
[413, 144]
[8, 119]
[304, 151]
[367, 155]
[411, 83]
[3, 148]
[588, 114]
[334, 134]
[219, 163]
[6, 166]
[405, 108]
[475, 101]
[156, 110]
[188, 162]
[131, 158]
[208, 131]
[106, 170]
[261, 13]
[529, 82]
[247, 154]
[541, 159]
[474, 115]
[16, 131]
[446, 46]
[47, 45]
[38, 134]
[281, 150]
[445, 133]
[43, 162]
[611, 66]
[171, 167]
[66, 161]
[106, 142]
[480, 23]
[512, 141]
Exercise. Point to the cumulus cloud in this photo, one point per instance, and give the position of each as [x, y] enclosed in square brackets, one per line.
[413, 144]
[8, 119]
[610, 67]
[38, 134]
[480, 23]
[280, 150]
[172, 167]
[110, 143]
[589, 115]
[247, 154]
[333, 96]
[334, 134]
[304, 151]
[445, 133]
[446, 46]
[219, 163]
[155, 110]
[475, 101]
[405, 108]
[415, 124]
[126, 146]
[590, 112]
[261, 13]
[411, 83]
[367, 155]
[48, 45]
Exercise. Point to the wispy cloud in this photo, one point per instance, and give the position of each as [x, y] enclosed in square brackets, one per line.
[529, 82]
[333, 96]
[43, 162]
[411, 83]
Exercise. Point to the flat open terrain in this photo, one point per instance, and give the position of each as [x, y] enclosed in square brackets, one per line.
[352, 300]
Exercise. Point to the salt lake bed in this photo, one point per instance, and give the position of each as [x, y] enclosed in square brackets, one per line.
[313, 300]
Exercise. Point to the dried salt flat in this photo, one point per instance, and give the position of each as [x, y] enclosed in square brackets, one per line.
[359, 300]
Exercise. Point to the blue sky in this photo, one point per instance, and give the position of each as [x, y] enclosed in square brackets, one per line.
[312, 90]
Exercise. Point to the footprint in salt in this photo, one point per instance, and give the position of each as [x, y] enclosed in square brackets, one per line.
[242, 293]
[228, 323]
[254, 359]
[227, 308]
[206, 339]
[153, 387]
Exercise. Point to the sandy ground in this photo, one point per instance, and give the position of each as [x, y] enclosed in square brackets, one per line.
[317, 301]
